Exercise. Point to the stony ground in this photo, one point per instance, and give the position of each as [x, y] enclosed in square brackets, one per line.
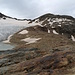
[51, 55]
[33, 61]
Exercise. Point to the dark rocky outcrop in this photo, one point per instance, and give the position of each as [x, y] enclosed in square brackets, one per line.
[2, 15]
[43, 17]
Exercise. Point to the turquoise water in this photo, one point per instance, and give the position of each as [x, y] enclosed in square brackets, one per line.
[5, 46]
[6, 31]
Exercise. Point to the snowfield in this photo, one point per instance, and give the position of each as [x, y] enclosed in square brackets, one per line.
[23, 32]
[9, 27]
[30, 40]
[6, 31]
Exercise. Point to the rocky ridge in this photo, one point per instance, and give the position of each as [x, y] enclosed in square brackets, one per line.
[5, 17]
[62, 24]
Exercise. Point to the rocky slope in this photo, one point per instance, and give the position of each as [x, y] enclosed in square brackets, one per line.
[32, 61]
[62, 24]
[47, 47]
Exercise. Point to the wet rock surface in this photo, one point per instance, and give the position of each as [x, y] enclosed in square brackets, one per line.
[32, 61]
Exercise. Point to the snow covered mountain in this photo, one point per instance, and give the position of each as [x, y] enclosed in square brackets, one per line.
[49, 29]
[56, 24]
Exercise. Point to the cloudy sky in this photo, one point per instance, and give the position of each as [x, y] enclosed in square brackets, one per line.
[35, 8]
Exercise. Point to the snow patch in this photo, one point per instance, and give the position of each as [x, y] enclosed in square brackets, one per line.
[37, 20]
[53, 27]
[55, 32]
[34, 24]
[60, 20]
[9, 21]
[54, 21]
[49, 19]
[45, 24]
[51, 23]
[30, 40]
[8, 39]
[59, 25]
[72, 37]
[64, 19]
[23, 32]
[48, 31]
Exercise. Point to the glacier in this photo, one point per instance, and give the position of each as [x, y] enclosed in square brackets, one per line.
[6, 31]
[10, 26]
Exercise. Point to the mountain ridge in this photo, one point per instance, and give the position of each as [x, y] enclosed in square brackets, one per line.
[47, 15]
[58, 24]
[53, 15]
[4, 17]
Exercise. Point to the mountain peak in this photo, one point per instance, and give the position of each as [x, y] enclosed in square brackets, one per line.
[49, 15]
[57, 24]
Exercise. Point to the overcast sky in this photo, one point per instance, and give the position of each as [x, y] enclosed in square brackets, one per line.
[35, 8]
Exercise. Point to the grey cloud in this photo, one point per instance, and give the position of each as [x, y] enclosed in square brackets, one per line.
[34, 8]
